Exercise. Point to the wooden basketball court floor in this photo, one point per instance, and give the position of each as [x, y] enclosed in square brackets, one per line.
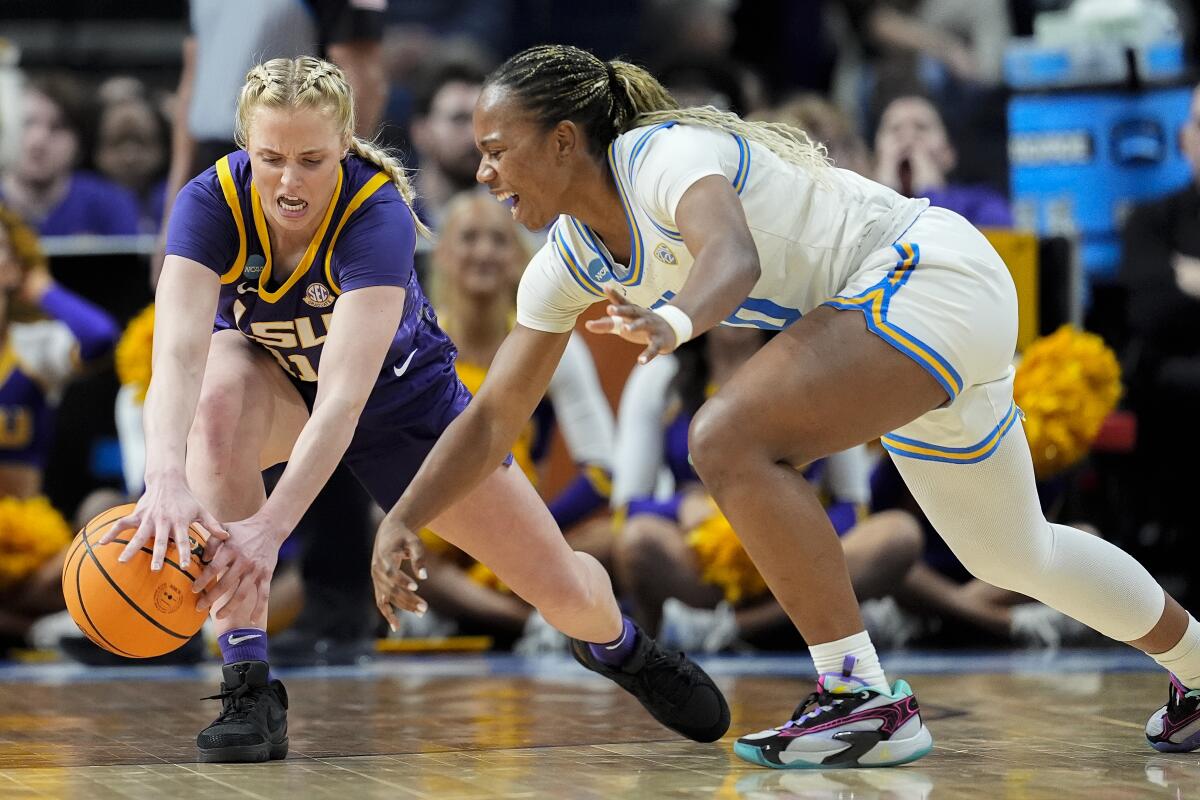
[1063, 726]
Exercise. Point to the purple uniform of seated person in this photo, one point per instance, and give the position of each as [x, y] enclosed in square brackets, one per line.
[983, 207]
[367, 239]
[92, 205]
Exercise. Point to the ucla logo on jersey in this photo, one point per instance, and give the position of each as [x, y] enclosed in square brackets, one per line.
[598, 271]
[664, 254]
[318, 296]
[254, 266]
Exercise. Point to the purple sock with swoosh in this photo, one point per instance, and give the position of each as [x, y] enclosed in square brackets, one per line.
[615, 653]
[243, 644]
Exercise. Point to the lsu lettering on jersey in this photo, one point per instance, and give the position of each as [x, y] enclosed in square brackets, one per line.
[366, 238]
[812, 229]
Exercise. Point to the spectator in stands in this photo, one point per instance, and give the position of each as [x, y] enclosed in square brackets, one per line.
[678, 561]
[37, 361]
[914, 156]
[476, 266]
[964, 38]
[443, 136]
[1160, 268]
[825, 123]
[131, 150]
[45, 185]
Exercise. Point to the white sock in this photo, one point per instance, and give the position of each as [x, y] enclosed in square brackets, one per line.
[831, 657]
[1183, 660]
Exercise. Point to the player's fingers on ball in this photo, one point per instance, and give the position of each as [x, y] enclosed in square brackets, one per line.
[139, 538]
[183, 547]
[212, 573]
[162, 538]
[214, 528]
[124, 523]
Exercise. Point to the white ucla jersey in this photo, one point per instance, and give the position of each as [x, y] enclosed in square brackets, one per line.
[812, 229]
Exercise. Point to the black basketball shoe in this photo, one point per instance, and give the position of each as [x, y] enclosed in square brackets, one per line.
[253, 721]
[669, 685]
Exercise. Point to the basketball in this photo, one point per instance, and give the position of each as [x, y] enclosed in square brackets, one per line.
[125, 607]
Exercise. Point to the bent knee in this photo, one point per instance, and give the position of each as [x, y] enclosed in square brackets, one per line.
[716, 442]
[1013, 565]
[214, 431]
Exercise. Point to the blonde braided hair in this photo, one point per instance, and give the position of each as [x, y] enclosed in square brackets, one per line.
[308, 82]
[607, 98]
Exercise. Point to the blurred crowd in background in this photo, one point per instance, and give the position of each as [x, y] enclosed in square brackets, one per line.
[1068, 131]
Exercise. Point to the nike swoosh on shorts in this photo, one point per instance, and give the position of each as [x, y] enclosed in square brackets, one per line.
[400, 370]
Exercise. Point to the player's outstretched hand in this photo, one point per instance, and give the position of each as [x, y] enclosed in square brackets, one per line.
[635, 324]
[165, 512]
[395, 588]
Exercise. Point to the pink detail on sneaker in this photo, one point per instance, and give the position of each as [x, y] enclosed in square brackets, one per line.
[894, 715]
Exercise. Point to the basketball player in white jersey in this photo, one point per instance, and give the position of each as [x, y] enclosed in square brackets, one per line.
[899, 320]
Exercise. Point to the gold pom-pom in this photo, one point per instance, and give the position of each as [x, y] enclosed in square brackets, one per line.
[723, 561]
[1066, 384]
[134, 352]
[31, 531]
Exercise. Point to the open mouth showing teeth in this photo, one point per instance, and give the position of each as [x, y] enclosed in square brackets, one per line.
[505, 197]
[292, 204]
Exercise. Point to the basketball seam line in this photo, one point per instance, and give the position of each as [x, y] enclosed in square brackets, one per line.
[182, 571]
[127, 598]
[83, 607]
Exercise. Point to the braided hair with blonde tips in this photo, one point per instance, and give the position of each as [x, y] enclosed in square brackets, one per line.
[308, 82]
[556, 82]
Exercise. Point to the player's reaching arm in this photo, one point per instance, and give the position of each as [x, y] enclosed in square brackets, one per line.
[713, 223]
[470, 450]
[476, 443]
[187, 302]
[364, 322]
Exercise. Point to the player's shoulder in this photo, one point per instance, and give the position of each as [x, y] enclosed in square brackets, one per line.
[666, 146]
[574, 252]
[368, 190]
[228, 174]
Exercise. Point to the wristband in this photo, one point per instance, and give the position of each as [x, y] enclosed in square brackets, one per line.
[678, 320]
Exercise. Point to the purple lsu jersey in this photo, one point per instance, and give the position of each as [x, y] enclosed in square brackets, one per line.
[26, 414]
[366, 238]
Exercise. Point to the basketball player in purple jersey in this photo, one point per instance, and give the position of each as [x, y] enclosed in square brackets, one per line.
[324, 347]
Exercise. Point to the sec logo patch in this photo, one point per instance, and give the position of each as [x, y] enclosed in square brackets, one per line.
[318, 296]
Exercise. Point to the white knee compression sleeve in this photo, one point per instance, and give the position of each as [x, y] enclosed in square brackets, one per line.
[989, 515]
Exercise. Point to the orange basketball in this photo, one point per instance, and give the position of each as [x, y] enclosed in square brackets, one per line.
[126, 608]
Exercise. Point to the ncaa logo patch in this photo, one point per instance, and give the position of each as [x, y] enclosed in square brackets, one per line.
[317, 296]
[664, 254]
[598, 271]
[254, 266]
